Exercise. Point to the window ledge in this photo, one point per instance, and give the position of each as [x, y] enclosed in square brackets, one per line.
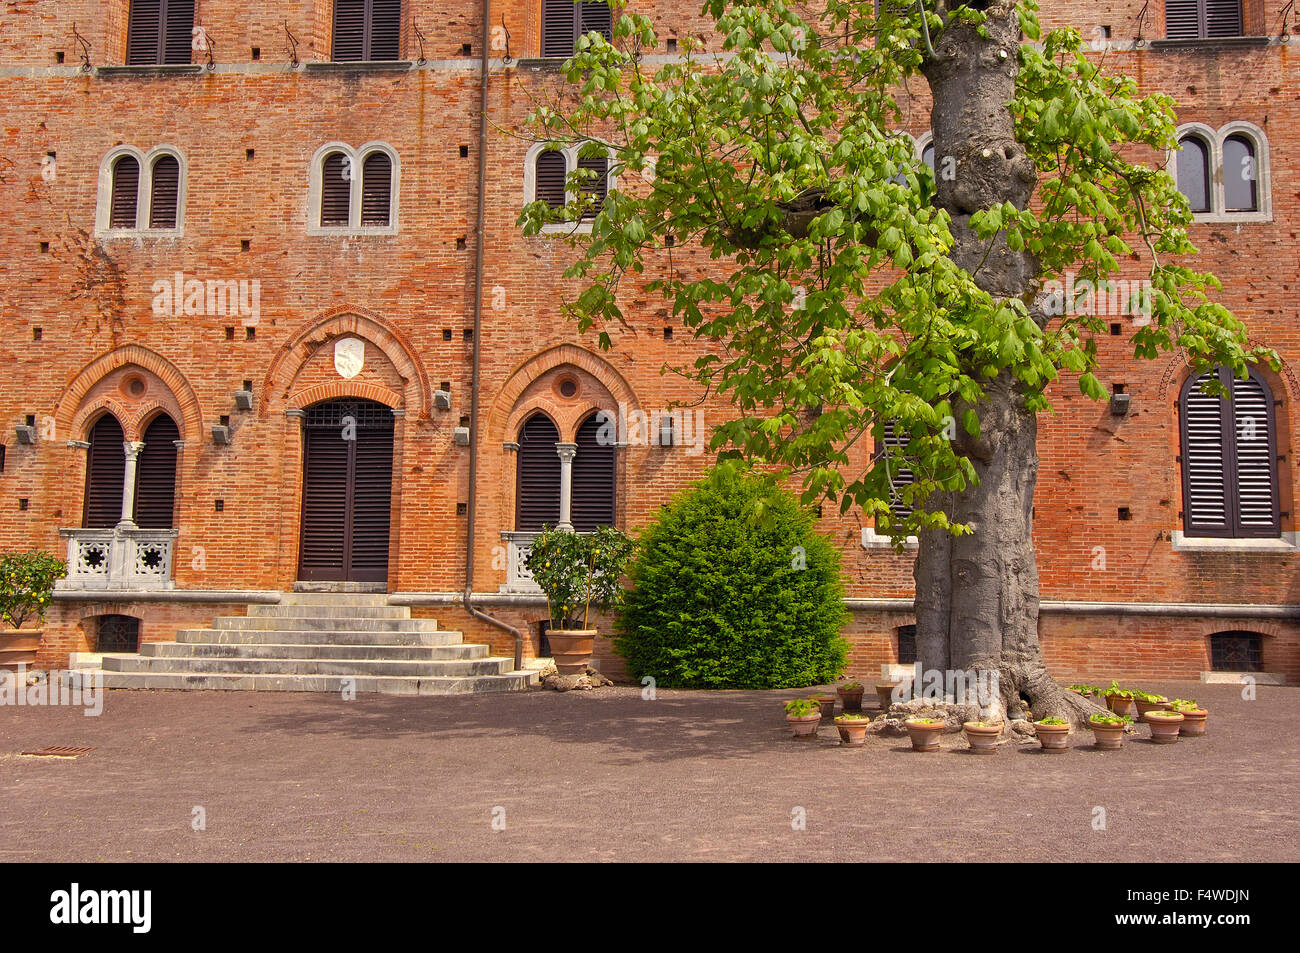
[547, 64]
[374, 231]
[1229, 218]
[1210, 44]
[871, 540]
[119, 234]
[153, 69]
[566, 228]
[1193, 544]
[359, 66]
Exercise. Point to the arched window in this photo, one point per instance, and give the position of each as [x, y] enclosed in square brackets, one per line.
[1236, 651]
[889, 450]
[1229, 458]
[105, 473]
[126, 192]
[1240, 172]
[537, 485]
[164, 196]
[336, 190]
[595, 188]
[159, 32]
[551, 169]
[546, 172]
[927, 155]
[563, 21]
[376, 189]
[1194, 172]
[354, 190]
[155, 486]
[594, 487]
[367, 30]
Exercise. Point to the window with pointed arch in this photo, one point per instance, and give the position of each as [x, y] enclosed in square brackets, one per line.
[1223, 172]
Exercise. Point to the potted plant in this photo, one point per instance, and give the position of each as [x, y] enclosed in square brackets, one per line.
[983, 736]
[26, 588]
[1086, 691]
[577, 571]
[827, 702]
[1053, 734]
[1146, 701]
[1119, 700]
[803, 715]
[924, 733]
[852, 728]
[1193, 724]
[885, 692]
[1108, 730]
[1164, 725]
[851, 696]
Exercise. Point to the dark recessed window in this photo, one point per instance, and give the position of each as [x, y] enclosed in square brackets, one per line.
[563, 21]
[907, 644]
[1194, 172]
[1236, 652]
[367, 30]
[117, 633]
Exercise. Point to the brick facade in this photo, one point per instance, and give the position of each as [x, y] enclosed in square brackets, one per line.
[248, 129]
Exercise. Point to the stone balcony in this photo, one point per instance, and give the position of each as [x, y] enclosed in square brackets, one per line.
[119, 558]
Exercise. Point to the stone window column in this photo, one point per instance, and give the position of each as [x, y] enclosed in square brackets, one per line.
[132, 449]
[567, 452]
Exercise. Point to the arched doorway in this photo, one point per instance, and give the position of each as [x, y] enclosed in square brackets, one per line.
[346, 491]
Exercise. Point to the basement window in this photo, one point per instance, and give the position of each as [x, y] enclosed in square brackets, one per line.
[1236, 652]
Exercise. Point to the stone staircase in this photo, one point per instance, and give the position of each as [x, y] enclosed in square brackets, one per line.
[317, 642]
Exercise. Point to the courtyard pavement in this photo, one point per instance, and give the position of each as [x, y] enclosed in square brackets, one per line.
[607, 775]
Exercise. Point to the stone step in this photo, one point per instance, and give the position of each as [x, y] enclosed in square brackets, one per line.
[288, 636]
[297, 611]
[348, 624]
[333, 599]
[353, 668]
[386, 685]
[319, 651]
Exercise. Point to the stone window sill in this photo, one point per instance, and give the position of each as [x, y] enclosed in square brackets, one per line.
[871, 540]
[359, 66]
[153, 69]
[1219, 544]
[383, 230]
[566, 228]
[117, 234]
[1210, 43]
[1230, 218]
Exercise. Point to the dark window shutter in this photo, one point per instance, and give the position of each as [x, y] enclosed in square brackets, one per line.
[1205, 464]
[385, 39]
[537, 487]
[1222, 18]
[598, 187]
[165, 196]
[105, 473]
[155, 482]
[1193, 160]
[595, 16]
[324, 503]
[594, 478]
[336, 190]
[1240, 174]
[559, 27]
[1182, 19]
[126, 192]
[895, 443]
[144, 33]
[178, 32]
[550, 173]
[372, 499]
[376, 189]
[349, 30]
[1255, 459]
[1202, 19]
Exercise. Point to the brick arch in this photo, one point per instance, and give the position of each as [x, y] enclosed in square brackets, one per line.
[335, 323]
[507, 413]
[69, 410]
[92, 411]
[336, 389]
[147, 414]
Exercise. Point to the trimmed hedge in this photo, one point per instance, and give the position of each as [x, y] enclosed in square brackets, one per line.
[734, 588]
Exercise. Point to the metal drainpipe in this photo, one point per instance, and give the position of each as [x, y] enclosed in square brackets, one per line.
[480, 235]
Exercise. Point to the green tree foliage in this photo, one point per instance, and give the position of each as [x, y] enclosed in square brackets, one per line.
[734, 588]
[27, 585]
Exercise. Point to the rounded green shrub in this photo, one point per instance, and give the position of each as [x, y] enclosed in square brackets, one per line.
[734, 588]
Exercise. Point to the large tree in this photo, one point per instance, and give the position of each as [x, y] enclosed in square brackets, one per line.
[850, 288]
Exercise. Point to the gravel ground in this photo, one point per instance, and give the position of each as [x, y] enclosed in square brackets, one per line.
[607, 775]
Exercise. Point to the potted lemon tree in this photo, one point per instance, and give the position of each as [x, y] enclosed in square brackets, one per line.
[26, 587]
[578, 572]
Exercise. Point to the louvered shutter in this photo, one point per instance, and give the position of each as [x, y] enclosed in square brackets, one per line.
[144, 33]
[1222, 18]
[1182, 19]
[559, 27]
[155, 478]
[126, 192]
[385, 35]
[105, 473]
[371, 498]
[324, 503]
[1205, 464]
[1255, 460]
[376, 189]
[595, 16]
[349, 30]
[178, 31]
[597, 187]
[550, 173]
[165, 194]
[336, 190]
[537, 485]
[894, 444]
[594, 488]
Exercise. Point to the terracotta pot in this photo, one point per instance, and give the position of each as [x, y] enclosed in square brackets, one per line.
[804, 726]
[1193, 722]
[852, 732]
[924, 737]
[827, 702]
[885, 692]
[571, 649]
[19, 647]
[1120, 705]
[851, 699]
[1107, 737]
[1053, 738]
[1144, 706]
[1164, 726]
[983, 739]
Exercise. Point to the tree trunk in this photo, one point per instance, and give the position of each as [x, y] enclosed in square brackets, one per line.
[977, 594]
